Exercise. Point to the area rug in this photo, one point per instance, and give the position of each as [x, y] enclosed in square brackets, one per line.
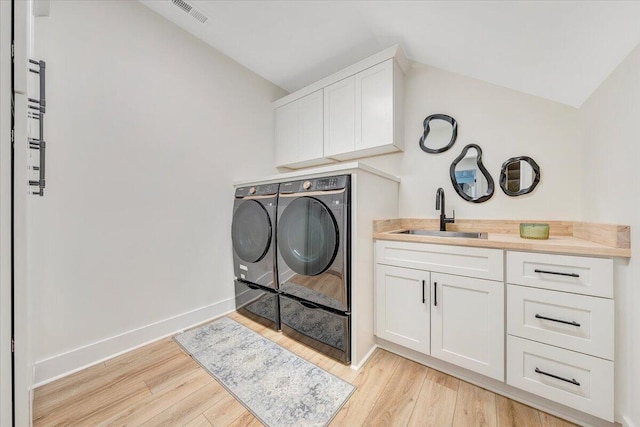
[278, 387]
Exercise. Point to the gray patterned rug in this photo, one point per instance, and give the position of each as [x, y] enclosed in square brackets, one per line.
[278, 387]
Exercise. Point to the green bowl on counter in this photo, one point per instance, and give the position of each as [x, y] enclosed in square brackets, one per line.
[534, 231]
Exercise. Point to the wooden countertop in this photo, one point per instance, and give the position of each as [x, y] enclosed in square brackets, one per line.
[567, 237]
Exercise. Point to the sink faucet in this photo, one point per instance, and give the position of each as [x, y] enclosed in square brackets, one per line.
[440, 205]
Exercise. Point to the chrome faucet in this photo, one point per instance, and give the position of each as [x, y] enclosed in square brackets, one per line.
[440, 205]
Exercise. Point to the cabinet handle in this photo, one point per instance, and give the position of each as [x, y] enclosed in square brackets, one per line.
[574, 323]
[556, 273]
[435, 294]
[571, 381]
[423, 299]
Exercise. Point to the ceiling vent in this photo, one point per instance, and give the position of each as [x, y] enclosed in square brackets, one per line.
[194, 13]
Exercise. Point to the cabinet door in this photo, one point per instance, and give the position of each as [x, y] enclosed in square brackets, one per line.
[310, 140]
[374, 106]
[402, 306]
[299, 130]
[286, 134]
[467, 323]
[339, 116]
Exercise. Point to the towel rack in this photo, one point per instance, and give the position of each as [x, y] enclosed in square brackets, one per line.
[37, 107]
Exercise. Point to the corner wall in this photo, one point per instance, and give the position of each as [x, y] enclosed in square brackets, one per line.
[505, 123]
[147, 127]
[610, 123]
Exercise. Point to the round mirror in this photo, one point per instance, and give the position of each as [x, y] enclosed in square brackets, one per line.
[519, 175]
[440, 132]
[469, 177]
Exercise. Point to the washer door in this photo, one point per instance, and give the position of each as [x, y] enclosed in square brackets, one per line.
[251, 231]
[308, 236]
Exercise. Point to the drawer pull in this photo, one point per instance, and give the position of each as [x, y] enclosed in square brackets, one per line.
[556, 273]
[573, 323]
[571, 381]
[435, 294]
[423, 299]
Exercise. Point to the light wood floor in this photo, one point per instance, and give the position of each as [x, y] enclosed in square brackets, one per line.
[160, 385]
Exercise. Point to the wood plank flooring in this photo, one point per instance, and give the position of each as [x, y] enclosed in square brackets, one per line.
[160, 385]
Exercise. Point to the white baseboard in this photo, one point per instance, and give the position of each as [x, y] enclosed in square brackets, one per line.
[364, 359]
[67, 363]
[626, 422]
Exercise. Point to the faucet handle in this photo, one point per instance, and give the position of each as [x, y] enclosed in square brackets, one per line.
[452, 219]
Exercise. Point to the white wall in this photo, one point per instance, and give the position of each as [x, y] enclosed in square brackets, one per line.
[147, 127]
[610, 121]
[505, 123]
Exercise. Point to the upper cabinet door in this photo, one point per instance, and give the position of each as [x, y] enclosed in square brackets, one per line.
[374, 106]
[299, 132]
[310, 138]
[286, 134]
[339, 117]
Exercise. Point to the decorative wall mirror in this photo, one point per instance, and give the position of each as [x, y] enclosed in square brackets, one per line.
[440, 132]
[469, 177]
[519, 175]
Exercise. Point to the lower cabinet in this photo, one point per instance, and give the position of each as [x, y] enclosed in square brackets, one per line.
[560, 323]
[467, 323]
[454, 318]
[449, 302]
[402, 306]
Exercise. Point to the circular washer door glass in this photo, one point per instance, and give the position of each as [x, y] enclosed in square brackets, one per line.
[251, 231]
[308, 236]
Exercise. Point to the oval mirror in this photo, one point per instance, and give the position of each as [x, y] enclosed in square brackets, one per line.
[519, 175]
[469, 177]
[440, 132]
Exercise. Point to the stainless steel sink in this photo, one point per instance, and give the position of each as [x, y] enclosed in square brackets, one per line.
[438, 233]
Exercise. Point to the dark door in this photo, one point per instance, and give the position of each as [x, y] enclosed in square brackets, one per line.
[251, 231]
[308, 236]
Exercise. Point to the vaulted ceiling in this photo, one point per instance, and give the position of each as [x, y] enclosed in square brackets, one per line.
[559, 50]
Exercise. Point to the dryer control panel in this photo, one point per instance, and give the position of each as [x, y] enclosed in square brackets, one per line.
[257, 190]
[316, 184]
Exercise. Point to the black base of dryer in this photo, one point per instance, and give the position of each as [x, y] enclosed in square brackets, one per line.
[325, 330]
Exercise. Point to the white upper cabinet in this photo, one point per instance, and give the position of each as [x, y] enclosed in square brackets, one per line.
[380, 103]
[310, 127]
[287, 134]
[360, 117]
[299, 132]
[374, 106]
[339, 117]
[360, 114]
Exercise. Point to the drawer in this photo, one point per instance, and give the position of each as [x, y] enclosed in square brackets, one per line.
[579, 275]
[575, 322]
[316, 327]
[576, 380]
[482, 263]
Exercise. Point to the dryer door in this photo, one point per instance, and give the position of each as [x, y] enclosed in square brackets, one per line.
[308, 236]
[251, 231]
